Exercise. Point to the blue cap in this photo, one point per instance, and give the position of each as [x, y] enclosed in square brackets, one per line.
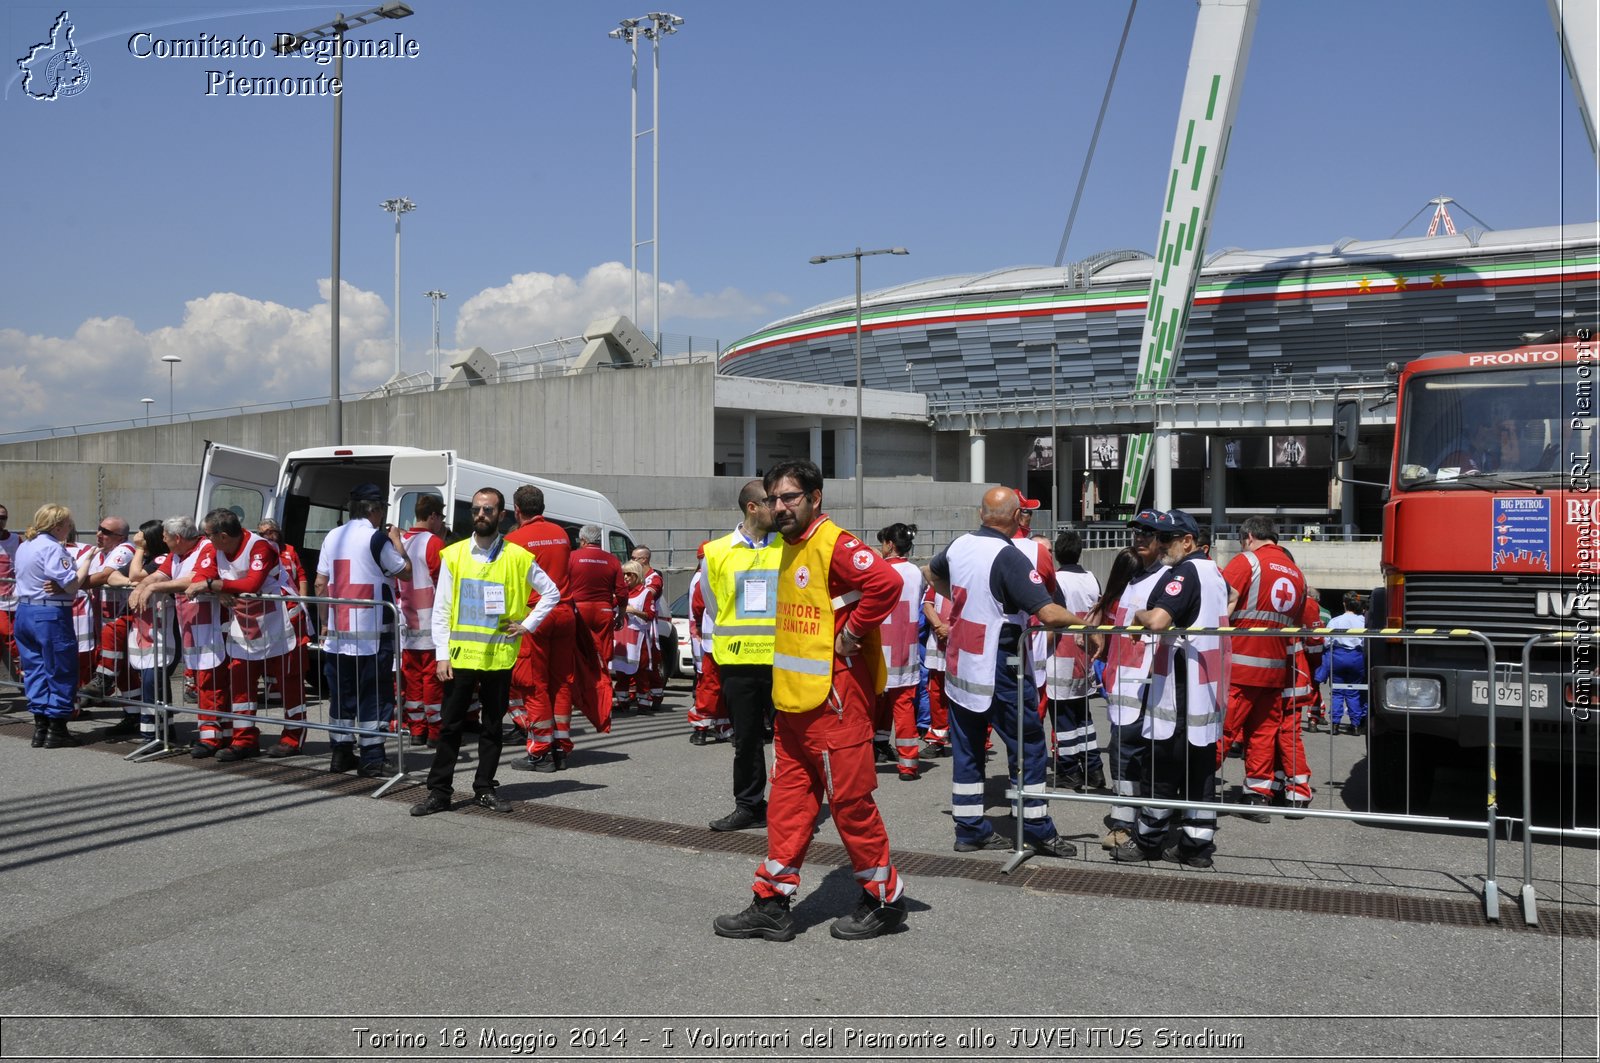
[1147, 518]
[367, 493]
[1177, 522]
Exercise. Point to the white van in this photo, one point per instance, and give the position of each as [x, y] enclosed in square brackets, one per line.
[308, 492]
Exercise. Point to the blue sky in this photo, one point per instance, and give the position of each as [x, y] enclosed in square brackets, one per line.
[145, 217]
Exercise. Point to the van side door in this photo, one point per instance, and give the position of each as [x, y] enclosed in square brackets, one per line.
[412, 475]
[245, 481]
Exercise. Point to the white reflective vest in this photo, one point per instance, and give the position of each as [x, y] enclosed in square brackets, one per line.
[415, 595]
[1128, 657]
[1205, 665]
[899, 631]
[257, 630]
[351, 571]
[1069, 674]
[630, 646]
[199, 619]
[85, 610]
[1036, 643]
[935, 657]
[972, 651]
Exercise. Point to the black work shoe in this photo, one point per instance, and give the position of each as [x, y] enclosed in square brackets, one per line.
[1131, 852]
[377, 769]
[1055, 845]
[59, 737]
[883, 753]
[232, 753]
[123, 728]
[1248, 806]
[871, 918]
[343, 758]
[41, 731]
[740, 819]
[492, 801]
[431, 804]
[910, 776]
[1070, 779]
[544, 763]
[992, 840]
[697, 737]
[1174, 855]
[1097, 779]
[98, 687]
[284, 749]
[767, 917]
[202, 750]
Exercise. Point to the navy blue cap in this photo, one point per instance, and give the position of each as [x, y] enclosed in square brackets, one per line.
[1177, 522]
[367, 493]
[1147, 518]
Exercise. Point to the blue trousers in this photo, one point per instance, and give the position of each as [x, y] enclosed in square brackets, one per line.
[356, 698]
[1129, 753]
[1349, 669]
[968, 733]
[49, 657]
[1077, 745]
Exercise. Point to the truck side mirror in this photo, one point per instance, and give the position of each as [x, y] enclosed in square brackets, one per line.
[1346, 429]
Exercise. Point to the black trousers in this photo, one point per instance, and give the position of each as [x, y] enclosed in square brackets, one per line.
[747, 689]
[494, 693]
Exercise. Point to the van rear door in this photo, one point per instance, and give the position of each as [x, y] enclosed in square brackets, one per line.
[244, 481]
[421, 472]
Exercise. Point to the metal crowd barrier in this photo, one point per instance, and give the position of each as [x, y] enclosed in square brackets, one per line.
[1581, 709]
[1487, 825]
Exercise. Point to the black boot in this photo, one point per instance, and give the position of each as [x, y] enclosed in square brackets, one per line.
[41, 730]
[59, 735]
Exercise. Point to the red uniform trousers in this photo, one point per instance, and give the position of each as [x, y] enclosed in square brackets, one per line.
[898, 706]
[827, 753]
[210, 695]
[598, 618]
[8, 639]
[541, 682]
[284, 671]
[1271, 739]
[421, 692]
[710, 711]
[114, 654]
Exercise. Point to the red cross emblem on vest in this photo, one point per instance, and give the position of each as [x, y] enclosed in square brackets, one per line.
[343, 588]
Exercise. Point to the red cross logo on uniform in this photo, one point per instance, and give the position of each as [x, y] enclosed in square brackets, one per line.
[965, 636]
[899, 635]
[1283, 596]
[343, 588]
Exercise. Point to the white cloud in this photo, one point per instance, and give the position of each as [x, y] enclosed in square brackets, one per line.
[535, 307]
[238, 351]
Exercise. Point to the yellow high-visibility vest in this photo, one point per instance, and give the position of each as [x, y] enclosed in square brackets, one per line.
[802, 651]
[476, 639]
[744, 582]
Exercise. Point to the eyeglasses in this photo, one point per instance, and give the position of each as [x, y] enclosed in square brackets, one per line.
[788, 498]
[1143, 533]
[486, 509]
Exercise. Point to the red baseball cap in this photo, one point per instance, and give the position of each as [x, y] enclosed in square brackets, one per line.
[1027, 503]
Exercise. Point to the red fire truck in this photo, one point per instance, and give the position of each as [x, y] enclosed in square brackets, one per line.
[1491, 523]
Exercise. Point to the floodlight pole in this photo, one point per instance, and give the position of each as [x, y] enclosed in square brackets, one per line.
[399, 207]
[861, 483]
[435, 295]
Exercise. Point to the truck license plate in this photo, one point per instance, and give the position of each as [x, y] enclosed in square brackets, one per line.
[1509, 694]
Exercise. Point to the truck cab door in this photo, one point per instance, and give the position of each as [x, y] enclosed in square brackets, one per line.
[410, 475]
[244, 481]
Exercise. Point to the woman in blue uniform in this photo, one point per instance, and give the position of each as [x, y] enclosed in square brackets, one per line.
[47, 579]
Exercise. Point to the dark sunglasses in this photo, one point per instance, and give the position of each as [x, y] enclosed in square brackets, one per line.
[107, 531]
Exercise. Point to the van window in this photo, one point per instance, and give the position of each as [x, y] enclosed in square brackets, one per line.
[570, 528]
[408, 512]
[621, 545]
[242, 500]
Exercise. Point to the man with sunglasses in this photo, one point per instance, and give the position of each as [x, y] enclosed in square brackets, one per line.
[1183, 699]
[833, 593]
[482, 610]
[112, 553]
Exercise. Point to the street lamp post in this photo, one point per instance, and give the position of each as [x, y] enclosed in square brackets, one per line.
[172, 361]
[147, 404]
[284, 44]
[662, 24]
[435, 295]
[399, 207]
[858, 255]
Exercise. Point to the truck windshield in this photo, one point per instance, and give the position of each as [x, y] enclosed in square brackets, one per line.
[1497, 428]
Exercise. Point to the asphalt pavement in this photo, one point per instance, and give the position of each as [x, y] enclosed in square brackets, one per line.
[181, 909]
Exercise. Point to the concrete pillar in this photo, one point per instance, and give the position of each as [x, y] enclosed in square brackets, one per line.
[814, 442]
[1347, 496]
[976, 448]
[1161, 466]
[1217, 479]
[844, 452]
[750, 445]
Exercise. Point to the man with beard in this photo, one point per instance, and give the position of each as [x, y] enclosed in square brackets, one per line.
[481, 611]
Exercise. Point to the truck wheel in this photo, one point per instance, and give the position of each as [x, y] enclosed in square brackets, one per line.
[1389, 770]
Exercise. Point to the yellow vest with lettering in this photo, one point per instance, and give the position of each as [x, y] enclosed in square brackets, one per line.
[476, 641]
[802, 652]
[746, 611]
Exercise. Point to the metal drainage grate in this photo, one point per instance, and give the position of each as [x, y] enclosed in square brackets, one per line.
[1125, 884]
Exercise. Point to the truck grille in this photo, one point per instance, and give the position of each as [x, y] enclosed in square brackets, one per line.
[1502, 607]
